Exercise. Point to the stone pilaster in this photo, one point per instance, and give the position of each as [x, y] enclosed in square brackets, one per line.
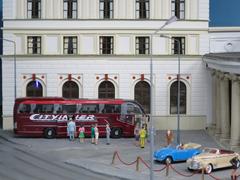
[217, 105]
[235, 112]
[224, 106]
[214, 97]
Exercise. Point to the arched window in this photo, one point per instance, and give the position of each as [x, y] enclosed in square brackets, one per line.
[34, 89]
[106, 90]
[173, 98]
[70, 89]
[142, 95]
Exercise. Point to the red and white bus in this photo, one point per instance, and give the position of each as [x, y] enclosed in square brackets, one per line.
[47, 116]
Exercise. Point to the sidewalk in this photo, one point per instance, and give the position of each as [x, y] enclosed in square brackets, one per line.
[98, 158]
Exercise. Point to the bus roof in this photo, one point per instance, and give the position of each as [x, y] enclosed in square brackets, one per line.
[60, 100]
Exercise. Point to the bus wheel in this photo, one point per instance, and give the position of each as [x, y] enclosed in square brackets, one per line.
[49, 133]
[116, 133]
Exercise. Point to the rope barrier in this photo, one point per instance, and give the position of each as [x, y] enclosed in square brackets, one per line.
[189, 175]
[216, 178]
[128, 164]
[155, 170]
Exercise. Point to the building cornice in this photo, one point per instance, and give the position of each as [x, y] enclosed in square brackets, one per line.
[103, 57]
[103, 25]
[224, 29]
[225, 62]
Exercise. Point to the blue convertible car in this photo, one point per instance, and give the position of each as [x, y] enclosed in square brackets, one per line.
[178, 153]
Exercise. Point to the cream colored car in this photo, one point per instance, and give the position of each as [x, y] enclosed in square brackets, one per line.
[212, 158]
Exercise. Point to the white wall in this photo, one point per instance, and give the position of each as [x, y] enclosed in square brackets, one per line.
[226, 41]
[203, 6]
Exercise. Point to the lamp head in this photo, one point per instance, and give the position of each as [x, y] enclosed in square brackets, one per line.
[171, 20]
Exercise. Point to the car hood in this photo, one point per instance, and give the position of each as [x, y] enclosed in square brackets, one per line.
[204, 156]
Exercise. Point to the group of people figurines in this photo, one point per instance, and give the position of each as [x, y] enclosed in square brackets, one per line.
[72, 131]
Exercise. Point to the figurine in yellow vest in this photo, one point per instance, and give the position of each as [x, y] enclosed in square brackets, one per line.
[142, 134]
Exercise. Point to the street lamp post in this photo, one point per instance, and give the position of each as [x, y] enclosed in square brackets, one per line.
[178, 89]
[169, 21]
[14, 57]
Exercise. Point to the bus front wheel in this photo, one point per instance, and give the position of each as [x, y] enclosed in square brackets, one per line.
[49, 133]
[116, 133]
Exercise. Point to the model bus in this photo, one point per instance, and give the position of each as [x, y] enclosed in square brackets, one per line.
[48, 116]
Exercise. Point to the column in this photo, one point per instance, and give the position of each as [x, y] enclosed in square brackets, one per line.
[214, 97]
[217, 105]
[235, 113]
[224, 107]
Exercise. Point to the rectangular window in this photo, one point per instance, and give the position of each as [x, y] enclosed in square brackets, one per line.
[106, 9]
[178, 8]
[70, 9]
[34, 44]
[106, 45]
[142, 45]
[142, 9]
[176, 42]
[34, 9]
[70, 45]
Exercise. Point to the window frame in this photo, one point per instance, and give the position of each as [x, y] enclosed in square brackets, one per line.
[106, 91]
[69, 91]
[32, 12]
[106, 9]
[142, 42]
[174, 44]
[36, 92]
[175, 94]
[70, 12]
[141, 12]
[178, 8]
[34, 44]
[106, 46]
[69, 41]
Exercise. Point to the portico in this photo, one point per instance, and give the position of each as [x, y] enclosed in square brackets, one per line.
[225, 74]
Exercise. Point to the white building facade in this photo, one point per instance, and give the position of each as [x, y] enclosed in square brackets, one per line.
[102, 49]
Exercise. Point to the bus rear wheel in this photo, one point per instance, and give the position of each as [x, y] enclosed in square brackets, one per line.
[116, 133]
[49, 133]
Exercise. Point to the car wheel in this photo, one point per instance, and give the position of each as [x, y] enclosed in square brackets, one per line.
[116, 133]
[190, 169]
[208, 169]
[168, 160]
[49, 133]
[238, 164]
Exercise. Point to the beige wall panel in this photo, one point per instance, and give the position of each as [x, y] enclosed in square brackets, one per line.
[20, 9]
[194, 9]
[93, 9]
[157, 9]
[49, 9]
[123, 44]
[186, 122]
[57, 8]
[166, 9]
[130, 9]
[193, 47]
[88, 44]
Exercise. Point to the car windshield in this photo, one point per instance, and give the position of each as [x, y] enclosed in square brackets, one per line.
[212, 151]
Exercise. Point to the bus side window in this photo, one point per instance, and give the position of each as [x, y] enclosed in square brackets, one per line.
[117, 109]
[22, 108]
